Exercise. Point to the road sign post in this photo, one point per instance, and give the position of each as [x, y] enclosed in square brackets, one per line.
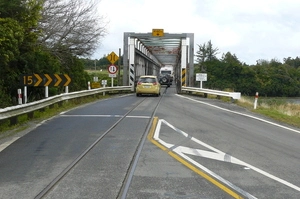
[104, 82]
[201, 77]
[112, 69]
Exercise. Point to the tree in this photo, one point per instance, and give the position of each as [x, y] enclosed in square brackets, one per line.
[211, 52]
[71, 27]
[18, 33]
[292, 62]
[205, 53]
[12, 35]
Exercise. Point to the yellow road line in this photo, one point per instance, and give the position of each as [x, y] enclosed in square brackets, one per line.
[187, 164]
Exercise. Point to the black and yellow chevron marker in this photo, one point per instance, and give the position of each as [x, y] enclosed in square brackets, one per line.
[45, 80]
[131, 75]
[183, 83]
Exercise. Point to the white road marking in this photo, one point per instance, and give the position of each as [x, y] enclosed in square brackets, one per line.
[216, 155]
[250, 116]
[6, 144]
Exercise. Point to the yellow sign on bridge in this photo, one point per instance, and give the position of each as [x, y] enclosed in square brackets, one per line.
[158, 32]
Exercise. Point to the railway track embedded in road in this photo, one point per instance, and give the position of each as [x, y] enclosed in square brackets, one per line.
[133, 163]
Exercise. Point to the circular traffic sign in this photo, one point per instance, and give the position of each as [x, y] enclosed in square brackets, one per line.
[112, 69]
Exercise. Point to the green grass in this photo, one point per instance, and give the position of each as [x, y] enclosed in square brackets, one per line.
[277, 109]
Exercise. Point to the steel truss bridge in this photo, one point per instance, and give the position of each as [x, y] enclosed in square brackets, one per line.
[146, 53]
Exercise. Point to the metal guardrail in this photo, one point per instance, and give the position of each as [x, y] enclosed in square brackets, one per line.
[14, 111]
[233, 95]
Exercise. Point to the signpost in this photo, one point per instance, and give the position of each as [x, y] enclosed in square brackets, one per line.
[201, 77]
[112, 69]
[112, 57]
[104, 82]
[45, 80]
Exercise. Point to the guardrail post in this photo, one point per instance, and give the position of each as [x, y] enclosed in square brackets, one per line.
[13, 120]
[30, 115]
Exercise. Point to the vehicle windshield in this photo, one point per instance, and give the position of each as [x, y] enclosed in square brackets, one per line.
[165, 72]
[147, 80]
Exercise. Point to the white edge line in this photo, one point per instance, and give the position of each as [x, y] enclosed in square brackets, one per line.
[250, 116]
[6, 144]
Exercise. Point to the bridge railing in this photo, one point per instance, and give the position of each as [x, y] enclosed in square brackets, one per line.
[233, 95]
[13, 112]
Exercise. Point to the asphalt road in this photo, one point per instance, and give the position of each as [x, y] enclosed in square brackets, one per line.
[201, 148]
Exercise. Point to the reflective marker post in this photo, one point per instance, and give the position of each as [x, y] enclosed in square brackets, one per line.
[255, 101]
[19, 96]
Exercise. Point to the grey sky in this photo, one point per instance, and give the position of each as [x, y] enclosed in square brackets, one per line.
[250, 29]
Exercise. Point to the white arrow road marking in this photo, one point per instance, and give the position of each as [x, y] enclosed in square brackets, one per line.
[216, 155]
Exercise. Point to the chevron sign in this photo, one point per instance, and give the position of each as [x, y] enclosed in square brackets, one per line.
[45, 80]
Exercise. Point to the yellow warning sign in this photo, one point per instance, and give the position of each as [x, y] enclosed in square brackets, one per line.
[158, 32]
[112, 57]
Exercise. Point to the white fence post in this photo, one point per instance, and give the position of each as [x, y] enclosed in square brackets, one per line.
[46, 91]
[25, 94]
[19, 96]
[255, 101]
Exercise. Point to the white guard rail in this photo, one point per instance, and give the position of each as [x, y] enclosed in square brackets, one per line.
[233, 95]
[17, 110]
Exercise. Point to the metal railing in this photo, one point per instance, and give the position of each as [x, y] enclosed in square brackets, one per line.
[233, 95]
[13, 112]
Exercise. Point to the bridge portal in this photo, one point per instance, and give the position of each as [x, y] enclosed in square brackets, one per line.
[146, 53]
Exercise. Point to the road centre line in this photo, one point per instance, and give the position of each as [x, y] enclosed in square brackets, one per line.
[217, 156]
[250, 116]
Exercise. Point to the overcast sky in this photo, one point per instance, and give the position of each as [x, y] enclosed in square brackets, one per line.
[250, 29]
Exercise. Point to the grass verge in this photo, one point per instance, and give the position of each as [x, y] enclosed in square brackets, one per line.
[277, 109]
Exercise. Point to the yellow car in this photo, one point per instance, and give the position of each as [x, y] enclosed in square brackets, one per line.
[148, 84]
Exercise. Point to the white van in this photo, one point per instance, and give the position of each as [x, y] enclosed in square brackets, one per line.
[166, 74]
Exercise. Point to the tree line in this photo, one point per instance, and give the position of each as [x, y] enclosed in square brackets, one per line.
[270, 78]
[47, 37]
